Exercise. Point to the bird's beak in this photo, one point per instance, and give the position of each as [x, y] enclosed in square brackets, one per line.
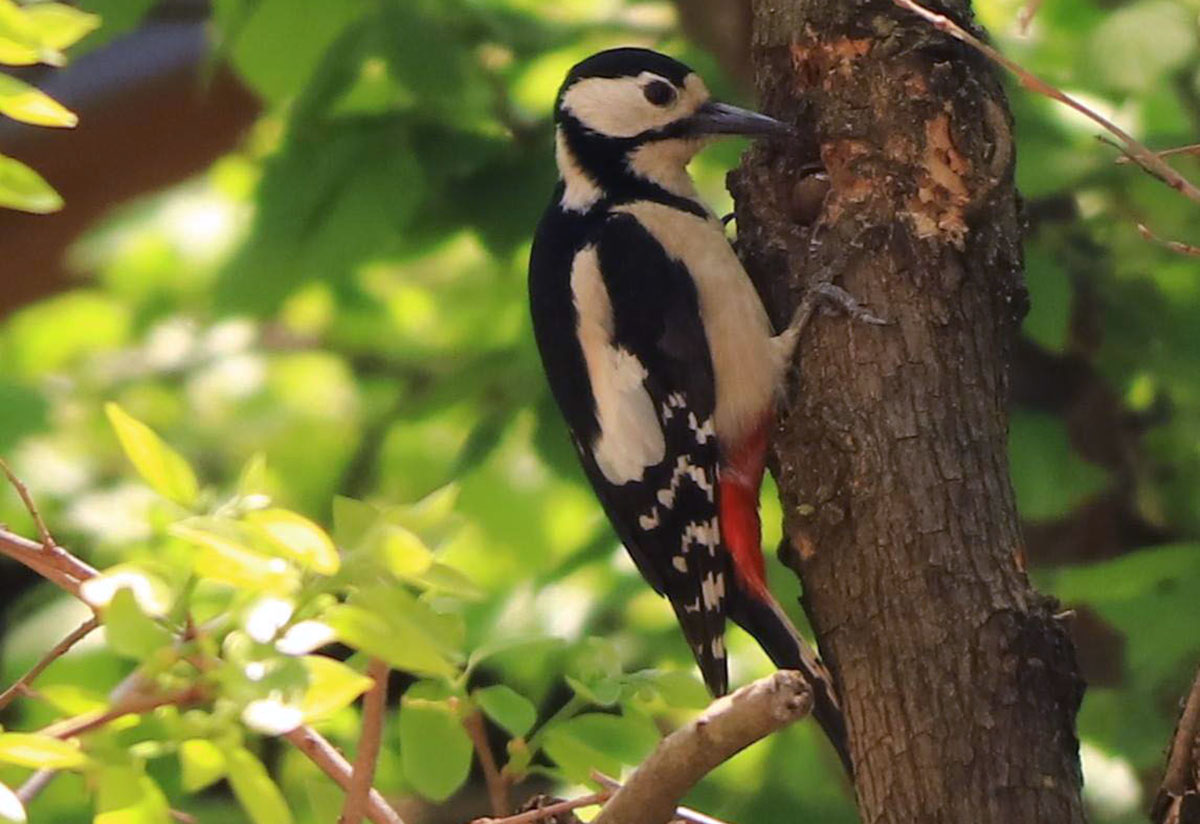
[721, 118]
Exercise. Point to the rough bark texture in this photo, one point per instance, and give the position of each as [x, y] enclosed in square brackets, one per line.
[960, 686]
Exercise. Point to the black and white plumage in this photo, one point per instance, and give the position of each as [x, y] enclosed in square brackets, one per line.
[660, 354]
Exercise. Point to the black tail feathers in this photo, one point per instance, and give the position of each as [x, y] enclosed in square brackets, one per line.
[775, 633]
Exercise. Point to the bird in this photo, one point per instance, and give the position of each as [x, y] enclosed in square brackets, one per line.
[660, 355]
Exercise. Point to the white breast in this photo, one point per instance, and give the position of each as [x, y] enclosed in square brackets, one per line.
[746, 364]
[630, 438]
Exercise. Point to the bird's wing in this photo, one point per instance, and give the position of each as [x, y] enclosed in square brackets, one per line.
[653, 456]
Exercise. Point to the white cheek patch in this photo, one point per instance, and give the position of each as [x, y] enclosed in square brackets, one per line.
[630, 438]
[617, 106]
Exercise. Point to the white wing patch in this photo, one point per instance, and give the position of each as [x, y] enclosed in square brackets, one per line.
[630, 438]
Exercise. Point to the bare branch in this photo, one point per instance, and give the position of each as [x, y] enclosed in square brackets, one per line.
[22, 683]
[55, 564]
[1138, 153]
[374, 705]
[1192, 149]
[549, 811]
[497, 783]
[731, 724]
[1026, 15]
[334, 764]
[27, 499]
[1182, 777]
[1173, 245]
[137, 704]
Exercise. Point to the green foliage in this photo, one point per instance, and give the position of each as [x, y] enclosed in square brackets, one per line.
[37, 34]
[328, 327]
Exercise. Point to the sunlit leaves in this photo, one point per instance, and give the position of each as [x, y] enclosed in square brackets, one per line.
[390, 624]
[223, 556]
[24, 189]
[331, 686]
[434, 747]
[160, 466]
[40, 32]
[298, 538]
[1050, 478]
[131, 632]
[41, 752]
[255, 791]
[202, 763]
[126, 795]
[23, 102]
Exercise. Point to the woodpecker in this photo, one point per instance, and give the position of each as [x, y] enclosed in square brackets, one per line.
[660, 354]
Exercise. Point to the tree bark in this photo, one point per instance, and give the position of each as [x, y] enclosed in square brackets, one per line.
[959, 684]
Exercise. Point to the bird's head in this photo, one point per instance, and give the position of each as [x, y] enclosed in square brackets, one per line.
[628, 115]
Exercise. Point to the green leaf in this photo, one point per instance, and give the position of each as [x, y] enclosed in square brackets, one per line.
[352, 521]
[201, 762]
[11, 808]
[60, 26]
[443, 578]
[161, 467]
[225, 557]
[255, 791]
[331, 686]
[681, 689]
[23, 102]
[599, 741]
[508, 708]
[1139, 573]
[296, 537]
[126, 795]
[434, 748]
[405, 645]
[41, 752]
[20, 41]
[130, 632]
[24, 189]
[401, 551]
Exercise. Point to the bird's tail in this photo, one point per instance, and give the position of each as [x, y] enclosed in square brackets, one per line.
[769, 624]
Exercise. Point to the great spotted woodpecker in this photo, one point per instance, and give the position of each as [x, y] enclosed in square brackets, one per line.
[660, 354]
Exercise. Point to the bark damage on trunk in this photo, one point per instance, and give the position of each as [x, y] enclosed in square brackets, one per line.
[960, 686]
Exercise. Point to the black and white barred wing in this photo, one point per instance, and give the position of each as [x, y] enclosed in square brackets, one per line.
[652, 457]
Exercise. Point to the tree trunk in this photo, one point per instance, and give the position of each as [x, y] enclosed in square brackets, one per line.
[959, 684]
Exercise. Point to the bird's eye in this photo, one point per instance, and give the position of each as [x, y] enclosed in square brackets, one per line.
[659, 92]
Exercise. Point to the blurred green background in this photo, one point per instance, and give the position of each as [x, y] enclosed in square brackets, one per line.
[300, 228]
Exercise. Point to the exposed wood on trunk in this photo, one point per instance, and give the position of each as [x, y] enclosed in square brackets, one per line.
[960, 686]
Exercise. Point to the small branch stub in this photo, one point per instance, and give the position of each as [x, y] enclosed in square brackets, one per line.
[731, 724]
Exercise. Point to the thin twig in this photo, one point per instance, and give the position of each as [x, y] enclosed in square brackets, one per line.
[27, 499]
[134, 705]
[374, 705]
[1193, 149]
[21, 685]
[1026, 15]
[56, 565]
[1138, 153]
[1173, 245]
[334, 764]
[34, 785]
[497, 782]
[729, 725]
[1180, 778]
[549, 811]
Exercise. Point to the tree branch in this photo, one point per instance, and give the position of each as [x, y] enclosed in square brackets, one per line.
[334, 764]
[374, 705]
[1182, 777]
[497, 783]
[59, 649]
[731, 724]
